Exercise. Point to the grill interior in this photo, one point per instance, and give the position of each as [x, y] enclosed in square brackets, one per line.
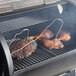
[38, 56]
[41, 54]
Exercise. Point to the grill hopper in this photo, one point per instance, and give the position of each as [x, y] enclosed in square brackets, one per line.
[57, 61]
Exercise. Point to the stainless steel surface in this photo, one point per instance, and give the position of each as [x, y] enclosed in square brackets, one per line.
[6, 56]
[7, 6]
[50, 1]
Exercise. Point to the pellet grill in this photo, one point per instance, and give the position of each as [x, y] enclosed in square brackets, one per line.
[43, 62]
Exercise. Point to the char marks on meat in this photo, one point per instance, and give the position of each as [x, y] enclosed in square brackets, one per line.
[26, 51]
[52, 44]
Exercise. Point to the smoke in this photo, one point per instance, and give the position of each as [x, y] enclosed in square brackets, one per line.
[69, 18]
[72, 1]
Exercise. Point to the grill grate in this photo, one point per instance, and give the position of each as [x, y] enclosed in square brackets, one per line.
[40, 55]
[56, 52]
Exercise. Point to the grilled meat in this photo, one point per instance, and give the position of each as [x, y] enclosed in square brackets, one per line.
[45, 34]
[52, 44]
[22, 53]
[64, 36]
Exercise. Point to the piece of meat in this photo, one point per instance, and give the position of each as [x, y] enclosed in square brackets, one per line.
[25, 52]
[45, 34]
[64, 36]
[52, 44]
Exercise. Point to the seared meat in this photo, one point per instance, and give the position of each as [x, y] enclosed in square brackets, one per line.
[52, 44]
[22, 53]
[44, 34]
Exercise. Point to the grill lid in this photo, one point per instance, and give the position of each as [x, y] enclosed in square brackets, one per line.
[6, 59]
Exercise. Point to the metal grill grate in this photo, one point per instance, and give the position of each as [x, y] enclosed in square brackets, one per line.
[40, 55]
[56, 52]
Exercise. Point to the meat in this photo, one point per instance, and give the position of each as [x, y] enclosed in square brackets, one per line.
[44, 34]
[55, 43]
[52, 44]
[43, 37]
[25, 52]
[64, 36]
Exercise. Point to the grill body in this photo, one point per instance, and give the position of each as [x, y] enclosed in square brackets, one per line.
[43, 62]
